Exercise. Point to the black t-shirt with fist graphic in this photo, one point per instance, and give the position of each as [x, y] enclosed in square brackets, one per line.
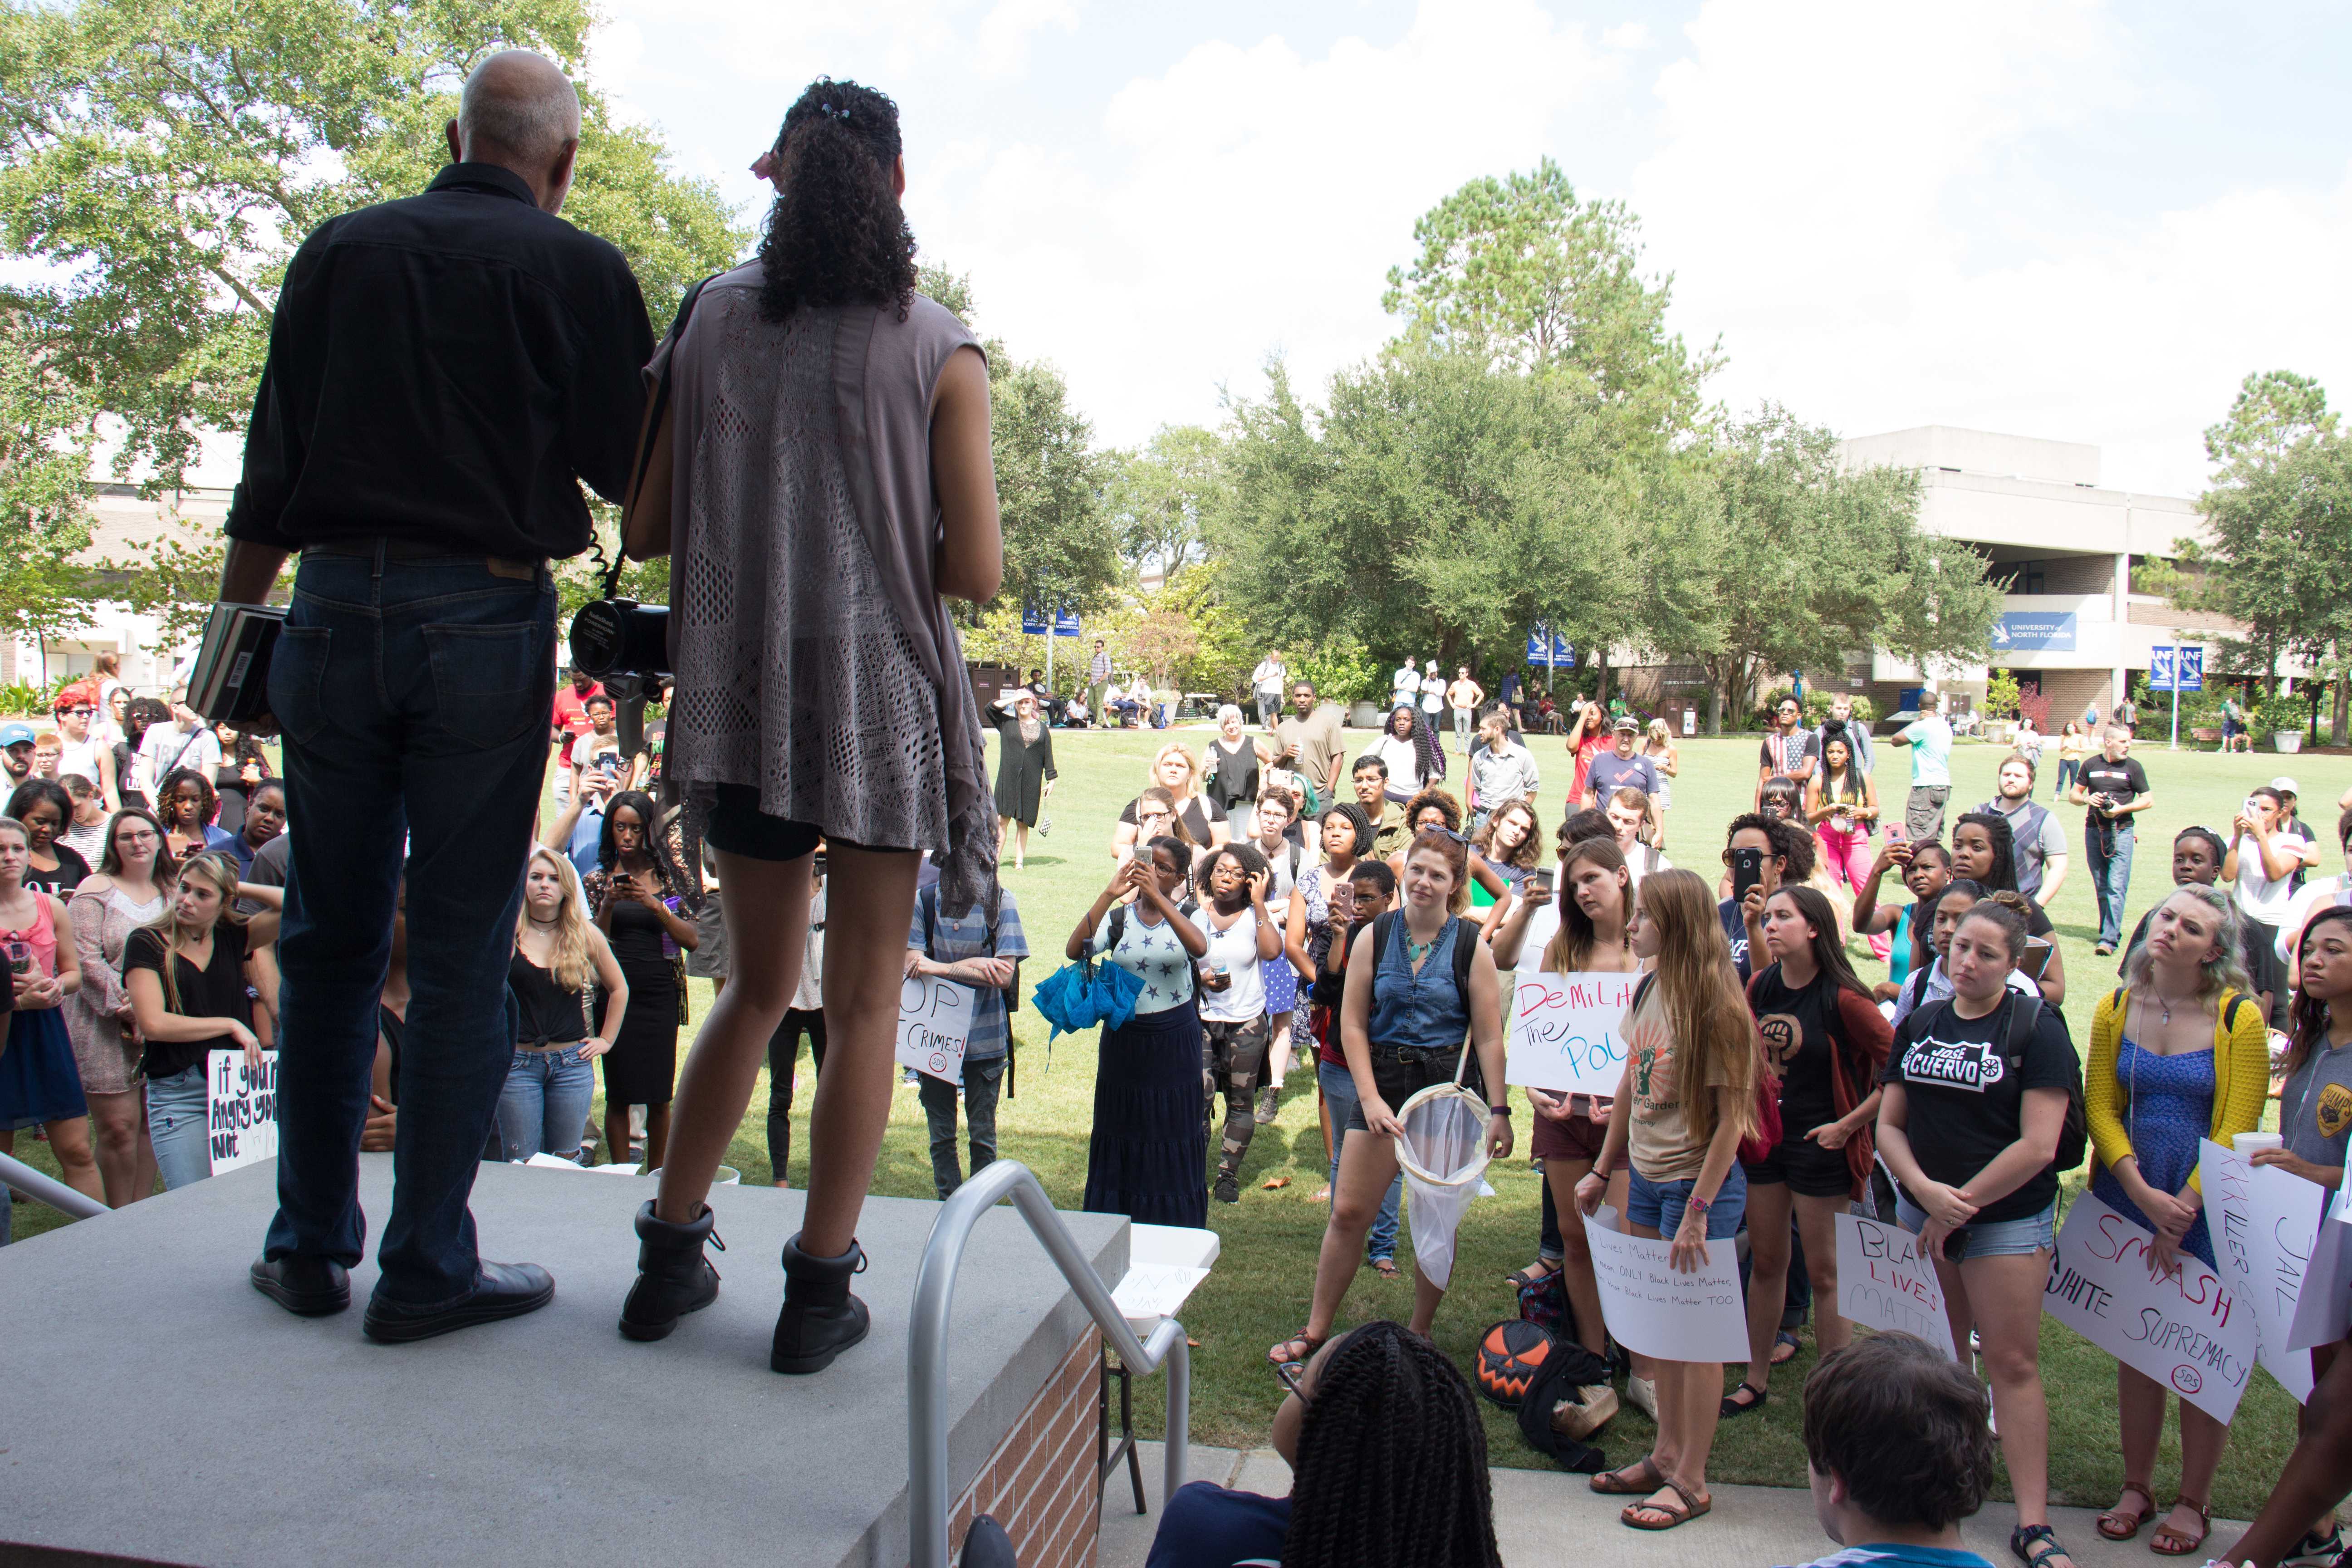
[1796, 1030]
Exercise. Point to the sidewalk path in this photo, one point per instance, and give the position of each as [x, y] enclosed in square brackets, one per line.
[1537, 1513]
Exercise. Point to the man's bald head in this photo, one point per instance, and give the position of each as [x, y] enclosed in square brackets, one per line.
[521, 113]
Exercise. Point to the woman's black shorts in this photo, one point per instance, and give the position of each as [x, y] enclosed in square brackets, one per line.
[1809, 1170]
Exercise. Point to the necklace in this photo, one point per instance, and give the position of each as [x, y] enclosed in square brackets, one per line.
[542, 925]
[2163, 1003]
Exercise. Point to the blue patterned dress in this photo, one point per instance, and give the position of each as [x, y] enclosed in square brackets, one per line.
[2167, 1110]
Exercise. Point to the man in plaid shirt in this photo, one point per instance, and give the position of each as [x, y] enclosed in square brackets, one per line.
[982, 952]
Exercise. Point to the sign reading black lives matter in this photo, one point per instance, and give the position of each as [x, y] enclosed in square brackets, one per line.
[241, 1109]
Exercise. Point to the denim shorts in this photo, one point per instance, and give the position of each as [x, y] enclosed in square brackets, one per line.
[1660, 1204]
[1990, 1238]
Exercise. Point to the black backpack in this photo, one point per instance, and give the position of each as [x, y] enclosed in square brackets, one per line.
[2023, 1017]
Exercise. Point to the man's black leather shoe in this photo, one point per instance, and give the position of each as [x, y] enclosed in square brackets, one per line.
[500, 1290]
[306, 1287]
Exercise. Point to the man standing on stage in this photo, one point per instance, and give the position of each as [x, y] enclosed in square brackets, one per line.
[444, 373]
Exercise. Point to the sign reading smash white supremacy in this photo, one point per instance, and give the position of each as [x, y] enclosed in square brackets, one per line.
[1564, 1031]
[240, 1110]
[1885, 1283]
[934, 1026]
[2184, 1331]
[1654, 1308]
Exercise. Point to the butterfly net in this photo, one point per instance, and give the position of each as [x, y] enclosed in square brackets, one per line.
[1443, 1152]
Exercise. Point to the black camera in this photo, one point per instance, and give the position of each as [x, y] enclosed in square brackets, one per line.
[613, 636]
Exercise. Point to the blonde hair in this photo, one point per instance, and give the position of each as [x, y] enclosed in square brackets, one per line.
[213, 867]
[1192, 765]
[1715, 1041]
[571, 965]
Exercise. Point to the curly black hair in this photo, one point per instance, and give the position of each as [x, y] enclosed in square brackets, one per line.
[837, 234]
[1392, 1461]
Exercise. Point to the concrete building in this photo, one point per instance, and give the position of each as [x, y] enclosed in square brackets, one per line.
[123, 527]
[2073, 629]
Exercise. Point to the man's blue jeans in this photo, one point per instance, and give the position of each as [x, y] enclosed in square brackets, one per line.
[2111, 879]
[543, 1105]
[413, 697]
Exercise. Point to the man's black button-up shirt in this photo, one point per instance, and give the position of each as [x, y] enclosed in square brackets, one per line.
[445, 369]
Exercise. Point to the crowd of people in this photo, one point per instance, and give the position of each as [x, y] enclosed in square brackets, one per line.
[449, 960]
[1770, 1086]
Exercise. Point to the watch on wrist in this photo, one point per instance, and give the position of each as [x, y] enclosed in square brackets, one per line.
[1502, 1110]
[1699, 1204]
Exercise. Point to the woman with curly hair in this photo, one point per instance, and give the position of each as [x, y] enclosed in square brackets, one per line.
[1388, 1470]
[1431, 807]
[1509, 844]
[187, 806]
[823, 471]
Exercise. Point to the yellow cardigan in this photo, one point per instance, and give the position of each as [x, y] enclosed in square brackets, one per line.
[2241, 1074]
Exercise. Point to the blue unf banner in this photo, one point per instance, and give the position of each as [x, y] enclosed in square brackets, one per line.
[1065, 622]
[2034, 631]
[1546, 647]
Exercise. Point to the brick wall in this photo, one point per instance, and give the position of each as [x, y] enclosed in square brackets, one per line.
[1041, 1484]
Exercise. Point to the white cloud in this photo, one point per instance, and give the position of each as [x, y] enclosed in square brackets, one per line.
[1626, 35]
[1249, 200]
[1005, 32]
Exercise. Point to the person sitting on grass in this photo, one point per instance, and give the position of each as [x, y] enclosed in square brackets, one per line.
[1898, 1450]
[1388, 1466]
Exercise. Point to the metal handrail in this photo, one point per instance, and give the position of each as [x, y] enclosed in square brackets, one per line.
[14, 1173]
[927, 1340]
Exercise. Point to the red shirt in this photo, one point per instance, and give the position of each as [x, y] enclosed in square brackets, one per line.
[571, 707]
[1587, 748]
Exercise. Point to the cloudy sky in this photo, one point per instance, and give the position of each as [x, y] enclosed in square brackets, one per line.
[2057, 217]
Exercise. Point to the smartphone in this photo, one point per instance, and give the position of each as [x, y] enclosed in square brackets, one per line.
[1543, 876]
[1896, 833]
[1746, 872]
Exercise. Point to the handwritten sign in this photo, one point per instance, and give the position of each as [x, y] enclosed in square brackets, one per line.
[1654, 1306]
[2323, 1313]
[934, 1026]
[1564, 1031]
[2186, 1331]
[240, 1110]
[1885, 1283]
[2264, 1222]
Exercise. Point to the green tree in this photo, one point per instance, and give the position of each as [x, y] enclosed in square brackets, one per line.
[1801, 561]
[2278, 554]
[1161, 498]
[1523, 270]
[1049, 490]
[163, 158]
[1444, 505]
[43, 491]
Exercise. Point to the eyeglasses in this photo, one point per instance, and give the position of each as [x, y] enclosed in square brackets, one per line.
[142, 837]
[1292, 1375]
[1432, 828]
[82, 712]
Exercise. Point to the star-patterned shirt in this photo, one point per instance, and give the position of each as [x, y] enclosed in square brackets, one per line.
[1153, 955]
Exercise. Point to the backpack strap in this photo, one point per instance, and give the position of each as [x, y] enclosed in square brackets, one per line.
[1381, 925]
[1465, 952]
[2024, 1019]
[2230, 1012]
[1118, 927]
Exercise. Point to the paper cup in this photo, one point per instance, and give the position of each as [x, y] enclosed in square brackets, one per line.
[2255, 1143]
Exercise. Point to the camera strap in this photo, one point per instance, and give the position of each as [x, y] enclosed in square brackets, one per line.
[645, 449]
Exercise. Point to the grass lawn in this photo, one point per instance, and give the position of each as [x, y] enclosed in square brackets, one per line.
[1258, 1292]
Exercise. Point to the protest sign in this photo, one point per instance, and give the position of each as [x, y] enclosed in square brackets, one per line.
[240, 1110]
[1885, 1283]
[2185, 1330]
[2264, 1222]
[2322, 1312]
[1654, 1308]
[934, 1026]
[1564, 1031]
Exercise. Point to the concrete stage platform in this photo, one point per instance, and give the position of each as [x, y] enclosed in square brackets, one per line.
[160, 1410]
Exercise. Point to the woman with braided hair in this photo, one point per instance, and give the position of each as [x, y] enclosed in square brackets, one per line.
[1388, 1466]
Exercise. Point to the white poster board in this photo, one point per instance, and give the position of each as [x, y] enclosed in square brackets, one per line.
[2264, 1224]
[2184, 1331]
[1564, 1031]
[240, 1110]
[1885, 1283]
[934, 1026]
[2322, 1312]
[1654, 1308]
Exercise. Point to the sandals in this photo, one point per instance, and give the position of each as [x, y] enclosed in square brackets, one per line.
[1535, 1273]
[1639, 1479]
[1733, 1406]
[2035, 1544]
[1785, 1340]
[1386, 1268]
[2169, 1543]
[2120, 1523]
[1691, 1508]
[1304, 1344]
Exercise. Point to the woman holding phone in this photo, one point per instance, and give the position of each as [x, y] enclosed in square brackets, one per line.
[38, 1084]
